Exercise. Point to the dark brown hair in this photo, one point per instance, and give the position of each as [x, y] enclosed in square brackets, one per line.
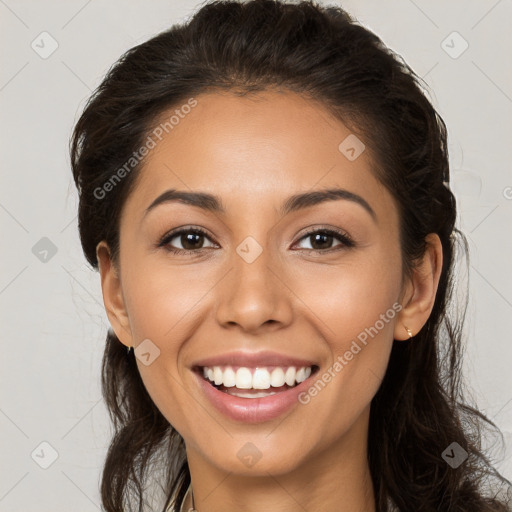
[325, 55]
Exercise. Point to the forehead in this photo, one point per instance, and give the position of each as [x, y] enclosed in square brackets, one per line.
[255, 148]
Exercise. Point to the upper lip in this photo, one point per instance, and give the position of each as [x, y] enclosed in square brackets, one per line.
[253, 359]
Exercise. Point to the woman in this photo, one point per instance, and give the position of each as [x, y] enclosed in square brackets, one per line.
[265, 192]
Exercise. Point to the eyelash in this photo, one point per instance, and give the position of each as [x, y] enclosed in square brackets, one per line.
[346, 241]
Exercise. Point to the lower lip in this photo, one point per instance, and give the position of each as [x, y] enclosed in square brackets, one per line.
[253, 410]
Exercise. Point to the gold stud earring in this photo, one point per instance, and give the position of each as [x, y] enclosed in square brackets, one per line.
[128, 349]
[409, 332]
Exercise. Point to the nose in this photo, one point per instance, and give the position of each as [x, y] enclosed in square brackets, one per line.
[254, 295]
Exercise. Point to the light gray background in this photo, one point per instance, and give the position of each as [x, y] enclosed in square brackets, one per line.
[53, 321]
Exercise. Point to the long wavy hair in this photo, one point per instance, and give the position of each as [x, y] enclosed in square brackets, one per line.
[322, 53]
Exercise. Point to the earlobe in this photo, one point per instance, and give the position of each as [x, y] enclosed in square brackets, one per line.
[422, 290]
[112, 295]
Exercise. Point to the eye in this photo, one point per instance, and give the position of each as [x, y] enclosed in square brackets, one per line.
[190, 239]
[322, 240]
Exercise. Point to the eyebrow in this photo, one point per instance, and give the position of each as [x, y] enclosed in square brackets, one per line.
[212, 203]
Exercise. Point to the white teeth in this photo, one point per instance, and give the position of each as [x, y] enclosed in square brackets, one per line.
[260, 379]
[277, 378]
[217, 375]
[228, 377]
[243, 378]
[256, 378]
[241, 394]
[289, 376]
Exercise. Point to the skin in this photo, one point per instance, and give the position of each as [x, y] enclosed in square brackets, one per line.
[254, 152]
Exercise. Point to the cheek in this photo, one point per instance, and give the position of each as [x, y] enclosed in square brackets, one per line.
[159, 298]
[358, 330]
[354, 308]
[350, 297]
[165, 305]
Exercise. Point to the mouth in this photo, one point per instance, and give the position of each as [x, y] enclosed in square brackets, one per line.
[254, 382]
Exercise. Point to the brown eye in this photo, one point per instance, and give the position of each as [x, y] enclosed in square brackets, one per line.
[191, 240]
[322, 239]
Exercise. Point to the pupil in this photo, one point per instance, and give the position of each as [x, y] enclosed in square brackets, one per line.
[327, 238]
[188, 238]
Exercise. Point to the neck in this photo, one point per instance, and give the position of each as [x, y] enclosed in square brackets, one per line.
[336, 479]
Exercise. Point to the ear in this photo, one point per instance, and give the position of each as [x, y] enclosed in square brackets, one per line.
[420, 291]
[113, 295]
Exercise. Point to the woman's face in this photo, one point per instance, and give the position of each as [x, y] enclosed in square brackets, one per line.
[257, 282]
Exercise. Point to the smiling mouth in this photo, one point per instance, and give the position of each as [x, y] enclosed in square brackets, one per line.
[258, 382]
